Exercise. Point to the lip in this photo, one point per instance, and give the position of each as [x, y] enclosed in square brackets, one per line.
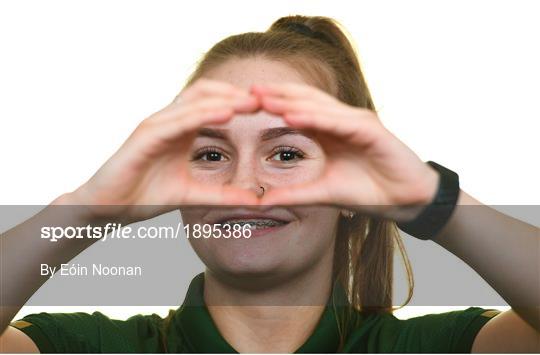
[251, 216]
[260, 232]
[278, 214]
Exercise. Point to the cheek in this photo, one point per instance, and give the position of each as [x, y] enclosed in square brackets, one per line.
[210, 176]
[192, 215]
[319, 223]
[278, 175]
[305, 171]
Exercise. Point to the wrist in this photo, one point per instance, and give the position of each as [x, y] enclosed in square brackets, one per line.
[433, 216]
[83, 210]
[431, 185]
[427, 194]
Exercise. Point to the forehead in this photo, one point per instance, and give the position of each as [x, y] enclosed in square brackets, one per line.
[243, 72]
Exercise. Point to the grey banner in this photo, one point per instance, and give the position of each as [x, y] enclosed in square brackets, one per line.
[125, 268]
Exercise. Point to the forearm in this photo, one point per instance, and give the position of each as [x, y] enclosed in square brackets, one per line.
[503, 250]
[22, 254]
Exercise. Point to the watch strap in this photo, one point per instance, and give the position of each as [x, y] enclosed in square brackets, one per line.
[435, 215]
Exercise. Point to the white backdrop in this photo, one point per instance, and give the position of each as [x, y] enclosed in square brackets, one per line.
[457, 81]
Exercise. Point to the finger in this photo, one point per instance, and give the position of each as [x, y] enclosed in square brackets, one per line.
[176, 128]
[292, 90]
[239, 104]
[244, 104]
[161, 134]
[207, 111]
[339, 120]
[168, 126]
[205, 87]
[298, 194]
[360, 130]
[199, 194]
[280, 106]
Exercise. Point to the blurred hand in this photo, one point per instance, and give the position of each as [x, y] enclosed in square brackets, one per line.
[368, 169]
[149, 174]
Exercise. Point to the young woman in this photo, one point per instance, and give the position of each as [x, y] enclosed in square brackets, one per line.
[277, 131]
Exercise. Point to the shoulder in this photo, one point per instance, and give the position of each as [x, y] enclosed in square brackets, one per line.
[91, 332]
[507, 333]
[450, 332]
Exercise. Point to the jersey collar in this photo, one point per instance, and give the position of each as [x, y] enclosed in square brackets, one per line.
[202, 335]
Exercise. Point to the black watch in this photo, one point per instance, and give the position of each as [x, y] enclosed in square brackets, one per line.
[435, 215]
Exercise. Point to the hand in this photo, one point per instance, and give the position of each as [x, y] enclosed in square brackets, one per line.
[367, 169]
[149, 175]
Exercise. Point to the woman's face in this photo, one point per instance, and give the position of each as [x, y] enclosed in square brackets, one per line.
[250, 151]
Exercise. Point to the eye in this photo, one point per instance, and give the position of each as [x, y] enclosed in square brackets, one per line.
[209, 154]
[286, 154]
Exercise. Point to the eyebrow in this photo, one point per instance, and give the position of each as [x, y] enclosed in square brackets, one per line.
[213, 133]
[267, 134]
[276, 132]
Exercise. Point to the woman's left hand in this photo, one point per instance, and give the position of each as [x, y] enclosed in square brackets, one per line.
[367, 168]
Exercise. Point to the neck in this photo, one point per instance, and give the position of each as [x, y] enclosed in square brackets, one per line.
[266, 329]
[277, 318]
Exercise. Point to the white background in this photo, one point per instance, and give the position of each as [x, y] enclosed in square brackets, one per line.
[457, 81]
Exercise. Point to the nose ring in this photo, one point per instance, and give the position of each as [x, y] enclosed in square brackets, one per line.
[262, 190]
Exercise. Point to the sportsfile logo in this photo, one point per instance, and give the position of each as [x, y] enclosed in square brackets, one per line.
[117, 231]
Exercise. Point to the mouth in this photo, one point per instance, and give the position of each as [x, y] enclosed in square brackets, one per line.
[255, 223]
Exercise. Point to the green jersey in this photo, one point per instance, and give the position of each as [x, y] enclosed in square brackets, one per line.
[190, 329]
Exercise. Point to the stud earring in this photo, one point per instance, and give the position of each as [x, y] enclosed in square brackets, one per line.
[348, 214]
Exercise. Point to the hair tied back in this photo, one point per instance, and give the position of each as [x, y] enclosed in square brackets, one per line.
[307, 31]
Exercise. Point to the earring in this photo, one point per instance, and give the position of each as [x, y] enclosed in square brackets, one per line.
[348, 214]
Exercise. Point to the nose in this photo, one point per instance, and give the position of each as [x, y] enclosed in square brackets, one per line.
[248, 176]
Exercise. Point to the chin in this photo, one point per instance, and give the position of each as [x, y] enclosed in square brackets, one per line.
[247, 259]
[264, 251]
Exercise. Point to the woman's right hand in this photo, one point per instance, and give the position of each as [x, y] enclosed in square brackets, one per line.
[149, 174]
